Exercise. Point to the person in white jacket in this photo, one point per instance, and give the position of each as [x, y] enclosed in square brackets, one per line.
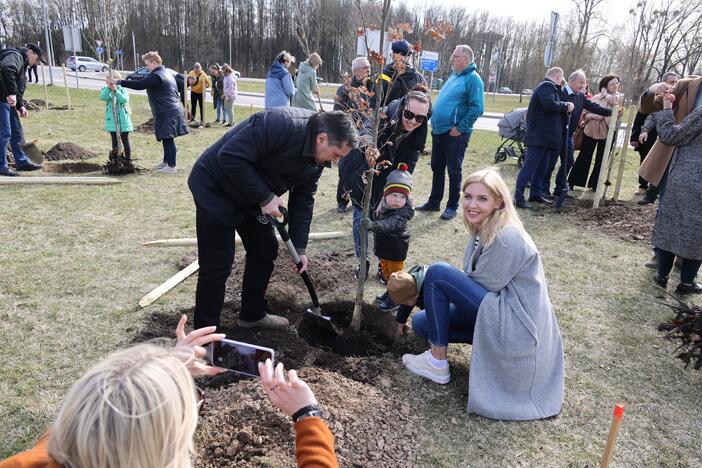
[229, 94]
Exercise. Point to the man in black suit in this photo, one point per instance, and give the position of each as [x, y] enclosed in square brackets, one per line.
[544, 136]
[573, 91]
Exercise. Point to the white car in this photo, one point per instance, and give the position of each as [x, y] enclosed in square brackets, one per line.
[85, 63]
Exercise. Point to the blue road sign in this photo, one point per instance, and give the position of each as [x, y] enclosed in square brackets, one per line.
[118, 52]
[99, 50]
[430, 65]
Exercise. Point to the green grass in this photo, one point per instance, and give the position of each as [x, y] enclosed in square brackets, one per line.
[74, 269]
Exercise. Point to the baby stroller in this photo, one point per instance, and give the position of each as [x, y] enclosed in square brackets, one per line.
[512, 128]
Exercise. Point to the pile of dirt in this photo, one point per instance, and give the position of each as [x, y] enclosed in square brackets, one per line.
[78, 167]
[626, 220]
[68, 151]
[36, 104]
[239, 427]
[146, 127]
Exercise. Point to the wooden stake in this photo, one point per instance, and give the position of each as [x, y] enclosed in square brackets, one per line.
[65, 82]
[185, 96]
[608, 179]
[192, 241]
[170, 283]
[58, 181]
[602, 176]
[612, 438]
[625, 147]
[46, 91]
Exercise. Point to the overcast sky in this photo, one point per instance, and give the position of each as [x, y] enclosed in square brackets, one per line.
[527, 9]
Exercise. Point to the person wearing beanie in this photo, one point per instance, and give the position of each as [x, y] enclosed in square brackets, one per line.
[399, 77]
[390, 227]
[407, 290]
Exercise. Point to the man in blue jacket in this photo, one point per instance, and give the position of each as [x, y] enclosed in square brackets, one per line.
[239, 180]
[457, 107]
[544, 136]
[13, 81]
[573, 91]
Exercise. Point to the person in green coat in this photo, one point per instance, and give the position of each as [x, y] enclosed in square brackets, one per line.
[123, 117]
[306, 83]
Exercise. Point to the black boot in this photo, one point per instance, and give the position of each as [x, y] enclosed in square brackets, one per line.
[685, 288]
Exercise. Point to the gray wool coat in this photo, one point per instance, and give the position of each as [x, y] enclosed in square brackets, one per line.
[516, 367]
[679, 223]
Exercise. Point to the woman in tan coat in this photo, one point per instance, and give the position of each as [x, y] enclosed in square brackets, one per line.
[595, 134]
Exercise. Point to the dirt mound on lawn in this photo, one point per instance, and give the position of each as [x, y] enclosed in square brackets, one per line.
[146, 127]
[625, 220]
[71, 167]
[68, 151]
[239, 427]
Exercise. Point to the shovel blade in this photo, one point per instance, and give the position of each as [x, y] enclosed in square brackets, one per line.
[322, 322]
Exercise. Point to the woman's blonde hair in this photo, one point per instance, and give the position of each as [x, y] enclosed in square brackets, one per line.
[152, 56]
[314, 59]
[136, 408]
[503, 216]
[226, 69]
[116, 75]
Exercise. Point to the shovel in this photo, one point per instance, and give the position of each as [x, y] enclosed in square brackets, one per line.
[314, 312]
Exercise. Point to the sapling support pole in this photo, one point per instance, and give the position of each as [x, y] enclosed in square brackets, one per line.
[602, 176]
[611, 152]
[169, 284]
[65, 84]
[192, 241]
[625, 147]
[185, 96]
[612, 438]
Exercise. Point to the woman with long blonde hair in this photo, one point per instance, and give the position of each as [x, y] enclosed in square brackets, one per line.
[499, 303]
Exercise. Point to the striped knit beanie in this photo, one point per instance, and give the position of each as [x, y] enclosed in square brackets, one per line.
[399, 181]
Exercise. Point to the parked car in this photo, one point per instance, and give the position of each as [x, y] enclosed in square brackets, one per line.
[527, 92]
[504, 90]
[85, 63]
[141, 73]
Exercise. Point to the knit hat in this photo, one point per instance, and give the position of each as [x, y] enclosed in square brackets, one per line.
[399, 180]
[401, 47]
[404, 287]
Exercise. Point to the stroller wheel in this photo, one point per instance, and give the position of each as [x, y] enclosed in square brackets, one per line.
[500, 156]
[520, 160]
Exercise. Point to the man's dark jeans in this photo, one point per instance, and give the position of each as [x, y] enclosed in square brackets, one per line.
[216, 255]
[533, 171]
[447, 153]
[561, 176]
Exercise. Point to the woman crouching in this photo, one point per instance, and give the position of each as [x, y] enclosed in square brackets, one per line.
[499, 303]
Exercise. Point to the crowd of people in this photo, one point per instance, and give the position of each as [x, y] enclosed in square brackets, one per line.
[497, 301]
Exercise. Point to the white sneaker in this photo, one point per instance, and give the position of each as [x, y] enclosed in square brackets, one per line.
[167, 170]
[158, 166]
[419, 364]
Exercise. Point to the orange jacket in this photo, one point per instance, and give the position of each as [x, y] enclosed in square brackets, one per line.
[314, 447]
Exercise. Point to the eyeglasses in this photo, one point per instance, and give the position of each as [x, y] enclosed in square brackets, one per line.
[409, 115]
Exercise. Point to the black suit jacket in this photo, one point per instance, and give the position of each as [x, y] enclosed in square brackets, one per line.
[545, 116]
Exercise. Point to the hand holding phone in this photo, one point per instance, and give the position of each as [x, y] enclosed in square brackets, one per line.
[290, 396]
[235, 356]
[195, 342]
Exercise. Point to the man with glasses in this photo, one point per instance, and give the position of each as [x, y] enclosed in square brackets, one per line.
[458, 106]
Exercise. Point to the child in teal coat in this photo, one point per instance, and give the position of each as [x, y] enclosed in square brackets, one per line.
[123, 117]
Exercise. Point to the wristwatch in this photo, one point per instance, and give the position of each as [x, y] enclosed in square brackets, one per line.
[309, 411]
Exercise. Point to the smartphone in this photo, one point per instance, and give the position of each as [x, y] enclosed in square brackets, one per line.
[235, 356]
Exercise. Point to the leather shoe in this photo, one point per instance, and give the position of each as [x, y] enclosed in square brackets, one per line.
[684, 288]
[28, 166]
[662, 282]
[6, 171]
[268, 321]
[540, 200]
[427, 207]
[523, 204]
[645, 201]
[341, 208]
[449, 213]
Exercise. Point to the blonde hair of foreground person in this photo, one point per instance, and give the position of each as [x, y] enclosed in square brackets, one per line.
[505, 215]
[135, 409]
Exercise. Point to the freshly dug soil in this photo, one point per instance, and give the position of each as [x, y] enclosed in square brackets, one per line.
[71, 167]
[68, 151]
[625, 220]
[146, 127]
[240, 427]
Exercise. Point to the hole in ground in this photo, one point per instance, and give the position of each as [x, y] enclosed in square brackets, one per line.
[71, 167]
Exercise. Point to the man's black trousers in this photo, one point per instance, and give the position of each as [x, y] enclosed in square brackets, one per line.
[215, 244]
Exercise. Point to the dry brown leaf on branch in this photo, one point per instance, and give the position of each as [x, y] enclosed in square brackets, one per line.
[400, 68]
[417, 47]
[377, 58]
[406, 27]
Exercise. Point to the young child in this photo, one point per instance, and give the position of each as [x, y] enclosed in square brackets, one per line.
[407, 290]
[123, 114]
[390, 227]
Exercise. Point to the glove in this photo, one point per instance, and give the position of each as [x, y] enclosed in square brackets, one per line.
[368, 224]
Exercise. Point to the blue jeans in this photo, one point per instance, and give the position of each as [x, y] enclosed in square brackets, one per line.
[561, 176]
[357, 219]
[11, 131]
[533, 171]
[217, 104]
[447, 153]
[452, 300]
[169, 151]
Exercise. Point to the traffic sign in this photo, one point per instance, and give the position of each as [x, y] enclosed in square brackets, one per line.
[98, 42]
[99, 50]
[492, 79]
[429, 61]
[71, 38]
[118, 52]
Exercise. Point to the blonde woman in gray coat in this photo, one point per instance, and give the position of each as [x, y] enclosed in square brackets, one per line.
[499, 303]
